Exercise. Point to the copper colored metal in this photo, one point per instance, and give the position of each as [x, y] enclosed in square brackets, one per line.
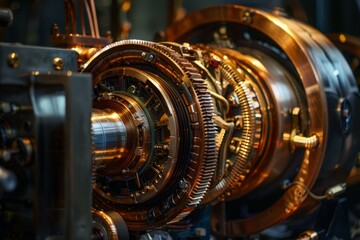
[181, 156]
[300, 44]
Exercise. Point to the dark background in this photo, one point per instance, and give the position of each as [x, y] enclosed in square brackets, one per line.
[34, 18]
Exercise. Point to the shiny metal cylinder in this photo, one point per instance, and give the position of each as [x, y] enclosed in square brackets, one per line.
[109, 136]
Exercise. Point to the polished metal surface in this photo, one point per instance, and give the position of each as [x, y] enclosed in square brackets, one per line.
[239, 123]
[109, 135]
[319, 70]
[108, 226]
[264, 98]
[180, 158]
[120, 133]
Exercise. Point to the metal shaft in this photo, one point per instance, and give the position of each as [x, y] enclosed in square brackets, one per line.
[109, 136]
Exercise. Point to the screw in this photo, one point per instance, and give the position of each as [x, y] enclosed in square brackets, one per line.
[246, 16]
[214, 61]
[13, 60]
[58, 63]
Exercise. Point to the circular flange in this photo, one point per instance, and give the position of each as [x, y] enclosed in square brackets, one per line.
[307, 51]
[160, 80]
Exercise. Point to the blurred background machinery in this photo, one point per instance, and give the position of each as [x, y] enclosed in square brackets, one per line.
[237, 123]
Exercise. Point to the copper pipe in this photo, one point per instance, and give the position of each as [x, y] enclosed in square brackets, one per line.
[90, 19]
[70, 17]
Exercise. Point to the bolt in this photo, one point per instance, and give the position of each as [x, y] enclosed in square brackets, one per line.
[13, 60]
[214, 61]
[246, 16]
[143, 54]
[58, 63]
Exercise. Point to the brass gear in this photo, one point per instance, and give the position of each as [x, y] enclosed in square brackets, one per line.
[192, 175]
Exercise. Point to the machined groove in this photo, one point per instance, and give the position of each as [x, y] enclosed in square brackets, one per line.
[201, 165]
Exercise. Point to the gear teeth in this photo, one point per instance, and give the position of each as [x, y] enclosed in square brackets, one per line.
[238, 171]
[201, 109]
[207, 110]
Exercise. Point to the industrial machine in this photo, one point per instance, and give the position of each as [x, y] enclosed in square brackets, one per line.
[236, 124]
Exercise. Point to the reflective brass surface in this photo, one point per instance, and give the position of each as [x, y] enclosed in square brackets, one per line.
[181, 154]
[237, 26]
[268, 103]
[239, 122]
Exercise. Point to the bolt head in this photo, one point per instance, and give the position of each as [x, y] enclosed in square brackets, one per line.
[214, 61]
[58, 63]
[14, 60]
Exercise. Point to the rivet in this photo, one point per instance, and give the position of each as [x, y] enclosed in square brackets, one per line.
[58, 63]
[13, 60]
[246, 16]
